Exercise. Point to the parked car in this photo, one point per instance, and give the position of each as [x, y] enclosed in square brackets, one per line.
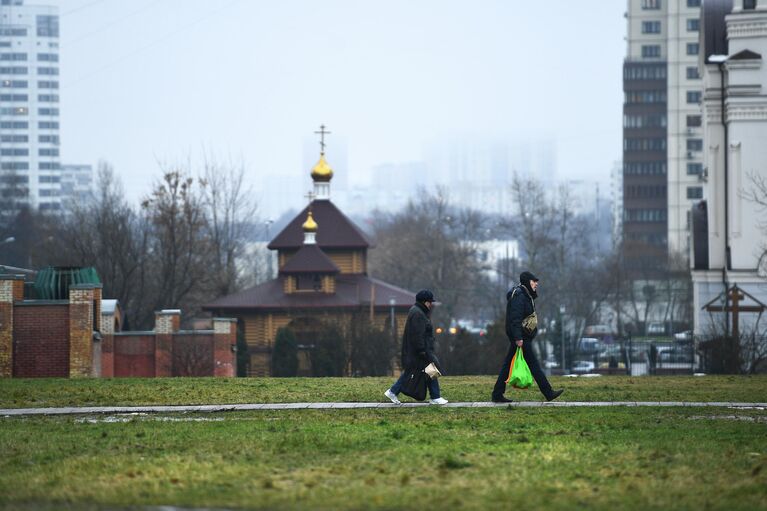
[589, 344]
[550, 364]
[583, 366]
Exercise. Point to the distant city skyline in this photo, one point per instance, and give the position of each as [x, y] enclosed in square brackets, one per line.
[163, 80]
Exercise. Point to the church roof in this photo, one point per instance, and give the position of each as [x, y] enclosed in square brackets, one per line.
[337, 230]
[746, 55]
[310, 259]
[352, 291]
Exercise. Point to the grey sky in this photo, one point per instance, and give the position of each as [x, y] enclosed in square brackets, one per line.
[157, 80]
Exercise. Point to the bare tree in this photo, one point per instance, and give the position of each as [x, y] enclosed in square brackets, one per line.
[429, 245]
[231, 216]
[181, 250]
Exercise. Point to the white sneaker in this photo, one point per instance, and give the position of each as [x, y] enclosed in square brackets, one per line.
[438, 401]
[391, 395]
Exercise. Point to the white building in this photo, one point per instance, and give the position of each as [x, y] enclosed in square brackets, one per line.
[29, 104]
[77, 183]
[729, 238]
[662, 134]
[616, 201]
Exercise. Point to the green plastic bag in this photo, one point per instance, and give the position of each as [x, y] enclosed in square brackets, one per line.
[520, 376]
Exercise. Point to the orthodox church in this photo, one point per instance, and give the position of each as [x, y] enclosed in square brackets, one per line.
[323, 280]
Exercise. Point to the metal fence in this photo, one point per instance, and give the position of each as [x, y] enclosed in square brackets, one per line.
[635, 358]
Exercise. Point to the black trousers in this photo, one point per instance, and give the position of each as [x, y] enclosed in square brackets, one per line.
[532, 362]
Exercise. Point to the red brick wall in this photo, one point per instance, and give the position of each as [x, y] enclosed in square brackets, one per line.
[134, 355]
[192, 355]
[41, 341]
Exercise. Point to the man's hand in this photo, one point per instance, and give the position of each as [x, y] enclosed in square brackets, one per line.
[519, 342]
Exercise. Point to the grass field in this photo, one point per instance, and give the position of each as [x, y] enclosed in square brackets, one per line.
[22, 393]
[393, 458]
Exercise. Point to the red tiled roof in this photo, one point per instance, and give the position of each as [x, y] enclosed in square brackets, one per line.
[335, 230]
[352, 291]
[310, 259]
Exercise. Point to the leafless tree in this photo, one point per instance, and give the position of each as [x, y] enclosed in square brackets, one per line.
[181, 250]
[429, 245]
[231, 216]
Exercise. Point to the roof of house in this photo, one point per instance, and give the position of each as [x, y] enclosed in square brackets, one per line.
[746, 55]
[309, 259]
[351, 291]
[336, 230]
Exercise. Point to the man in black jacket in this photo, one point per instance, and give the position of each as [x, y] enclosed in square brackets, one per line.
[520, 306]
[418, 347]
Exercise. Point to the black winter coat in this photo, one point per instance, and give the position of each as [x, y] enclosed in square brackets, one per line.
[519, 305]
[418, 339]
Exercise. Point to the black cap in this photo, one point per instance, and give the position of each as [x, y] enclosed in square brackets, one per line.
[525, 277]
[424, 295]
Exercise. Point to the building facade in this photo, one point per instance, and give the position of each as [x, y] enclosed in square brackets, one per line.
[29, 105]
[729, 238]
[77, 184]
[662, 142]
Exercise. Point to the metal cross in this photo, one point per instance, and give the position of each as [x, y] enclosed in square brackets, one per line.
[310, 195]
[322, 134]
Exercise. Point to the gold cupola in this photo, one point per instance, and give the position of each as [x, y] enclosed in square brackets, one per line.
[310, 230]
[322, 172]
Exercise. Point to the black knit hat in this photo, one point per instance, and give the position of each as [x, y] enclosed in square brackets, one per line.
[424, 295]
[525, 277]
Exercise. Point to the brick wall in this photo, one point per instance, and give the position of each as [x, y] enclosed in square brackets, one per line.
[133, 355]
[192, 354]
[41, 340]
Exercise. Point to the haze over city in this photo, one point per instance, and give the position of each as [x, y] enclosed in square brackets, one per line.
[159, 82]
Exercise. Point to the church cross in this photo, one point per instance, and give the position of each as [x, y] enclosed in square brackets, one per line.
[735, 296]
[310, 195]
[322, 134]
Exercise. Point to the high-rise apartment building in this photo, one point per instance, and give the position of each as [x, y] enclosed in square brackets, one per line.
[77, 184]
[29, 105]
[662, 142]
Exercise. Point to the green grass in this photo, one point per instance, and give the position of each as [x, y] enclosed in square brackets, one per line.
[501, 458]
[21, 393]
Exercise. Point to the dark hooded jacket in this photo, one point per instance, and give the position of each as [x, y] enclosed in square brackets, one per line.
[418, 339]
[519, 305]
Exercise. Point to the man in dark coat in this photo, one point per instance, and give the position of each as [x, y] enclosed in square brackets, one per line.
[520, 305]
[418, 347]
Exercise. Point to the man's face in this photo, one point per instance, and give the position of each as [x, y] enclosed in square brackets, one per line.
[428, 305]
[534, 285]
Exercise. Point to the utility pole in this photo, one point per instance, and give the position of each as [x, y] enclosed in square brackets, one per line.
[562, 329]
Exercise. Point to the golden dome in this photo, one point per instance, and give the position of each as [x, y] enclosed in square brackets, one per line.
[322, 171]
[310, 225]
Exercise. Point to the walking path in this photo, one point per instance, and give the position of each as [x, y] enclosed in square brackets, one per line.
[8, 412]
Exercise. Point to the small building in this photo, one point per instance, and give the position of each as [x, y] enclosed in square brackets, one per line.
[322, 280]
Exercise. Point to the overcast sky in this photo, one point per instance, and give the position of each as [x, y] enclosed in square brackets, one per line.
[158, 80]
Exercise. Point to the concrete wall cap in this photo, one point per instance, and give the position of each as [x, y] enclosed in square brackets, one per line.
[230, 320]
[9, 276]
[168, 312]
[38, 303]
[86, 286]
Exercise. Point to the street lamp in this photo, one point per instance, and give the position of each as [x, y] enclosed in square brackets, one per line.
[392, 301]
[562, 329]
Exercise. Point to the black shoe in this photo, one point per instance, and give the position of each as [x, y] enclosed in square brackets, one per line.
[554, 394]
[501, 399]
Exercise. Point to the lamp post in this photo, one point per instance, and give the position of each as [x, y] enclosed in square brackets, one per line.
[562, 329]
